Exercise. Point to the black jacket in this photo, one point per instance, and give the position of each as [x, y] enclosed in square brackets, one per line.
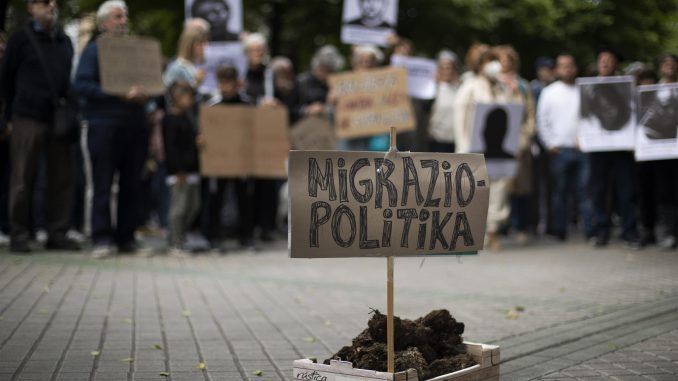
[23, 81]
[181, 152]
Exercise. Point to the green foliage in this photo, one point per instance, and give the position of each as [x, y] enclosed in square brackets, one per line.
[639, 30]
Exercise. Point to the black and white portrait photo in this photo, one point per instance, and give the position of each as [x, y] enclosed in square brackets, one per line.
[496, 133]
[224, 17]
[607, 113]
[368, 21]
[657, 136]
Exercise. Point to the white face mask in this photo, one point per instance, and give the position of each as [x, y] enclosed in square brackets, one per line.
[492, 69]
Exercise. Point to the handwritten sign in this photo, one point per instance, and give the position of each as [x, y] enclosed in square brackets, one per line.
[130, 61]
[358, 204]
[496, 134]
[313, 133]
[244, 141]
[369, 102]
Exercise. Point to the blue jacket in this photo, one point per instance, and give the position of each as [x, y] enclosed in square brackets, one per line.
[98, 107]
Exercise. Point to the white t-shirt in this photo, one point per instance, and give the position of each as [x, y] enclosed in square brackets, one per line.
[558, 115]
[442, 116]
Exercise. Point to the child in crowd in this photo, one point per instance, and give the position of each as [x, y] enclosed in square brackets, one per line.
[183, 167]
[230, 88]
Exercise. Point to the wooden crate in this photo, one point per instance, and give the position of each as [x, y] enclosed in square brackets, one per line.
[487, 369]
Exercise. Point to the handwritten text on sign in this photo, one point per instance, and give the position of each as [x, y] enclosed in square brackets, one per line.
[353, 204]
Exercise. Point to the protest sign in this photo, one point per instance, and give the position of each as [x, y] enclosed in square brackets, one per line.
[496, 134]
[421, 75]
[125, 62]
[244, 141]
[656, 136]
[363, 204]
[313, 133]
[218, 54]
[607, 112]
[368, 21]
[369, 102]
[224, 17]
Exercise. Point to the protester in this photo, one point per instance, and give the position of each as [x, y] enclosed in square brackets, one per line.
[557, 121]
[256, 51]
[472, 60]
[190, 54]
[312, 85]
[545, 76]
[441, 126]
[285, 91]
[181, 151]
[215, 188]
[521, 187]
[35, 76]
[117, 141]
[616, 166]
[668, 68]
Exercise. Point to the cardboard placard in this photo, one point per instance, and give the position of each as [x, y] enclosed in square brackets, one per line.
[130, 61]
[244, 141]
[313, 133]
[608, 114]
[370, 102]
[366, 204]
[421, 75]
[657, 134]
[496, 134]
[368, 21]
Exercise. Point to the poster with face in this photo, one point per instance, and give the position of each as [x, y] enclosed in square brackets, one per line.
[368, 21]
[657, 132]
[607, 113]
[224, 17]
[496, 133]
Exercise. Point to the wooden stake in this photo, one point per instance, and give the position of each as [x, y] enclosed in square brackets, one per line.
[390, 345]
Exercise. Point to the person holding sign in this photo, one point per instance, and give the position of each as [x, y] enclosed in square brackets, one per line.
[34, 79]
[117, 141]
[312, 85]
[616, 165]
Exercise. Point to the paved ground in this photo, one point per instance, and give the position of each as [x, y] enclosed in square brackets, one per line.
[557, 311]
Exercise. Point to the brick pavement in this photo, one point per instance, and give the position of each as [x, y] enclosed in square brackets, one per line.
[248, 316]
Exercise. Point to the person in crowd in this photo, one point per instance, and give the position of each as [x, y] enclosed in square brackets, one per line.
[256, 51]
[117, 141]
[472, 60]
[485, 87]
[183, 168]
[230, 88]
[545, 76]
[521, 188]
[35, 70]
[312, 85]
[557, 123]
[668, 68]
[285, 92]
[616, 166]
[441, 126]
[190, 54]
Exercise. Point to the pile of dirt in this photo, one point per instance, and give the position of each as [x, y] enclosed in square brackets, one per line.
[431, 344]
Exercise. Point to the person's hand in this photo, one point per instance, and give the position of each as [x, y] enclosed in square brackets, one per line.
[270, 102]
[315, 108]
[200, 141]
[181, 178]
[332, 98]
[200, 76]
[136, 94]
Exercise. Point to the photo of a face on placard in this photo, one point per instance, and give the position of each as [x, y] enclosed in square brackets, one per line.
[496, 134]
[607, 113]
[659, 112]
[368, 21]
[657, 133]
[224, 17]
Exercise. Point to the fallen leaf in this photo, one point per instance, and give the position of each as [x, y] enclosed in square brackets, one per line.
[186, 313]
[94, 353]
[158, 347]
[328, 323]
[512, 315]
[45, 289]
[201, 365]
[257, 372]
[309, 339]
[164, 374]
[129, 359]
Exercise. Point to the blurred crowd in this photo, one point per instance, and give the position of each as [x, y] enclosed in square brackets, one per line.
[132, 167]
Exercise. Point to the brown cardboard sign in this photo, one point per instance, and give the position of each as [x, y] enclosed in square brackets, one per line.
[313, 133]
[362, 204]
[370, 102]
[130, 61]
[244, 141]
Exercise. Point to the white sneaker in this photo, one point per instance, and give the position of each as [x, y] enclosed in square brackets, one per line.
[176, 252]
[41, 236]
[101, 252]
[76, 236]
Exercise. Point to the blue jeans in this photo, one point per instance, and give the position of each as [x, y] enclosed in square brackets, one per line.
[618, 167]
[570, 173]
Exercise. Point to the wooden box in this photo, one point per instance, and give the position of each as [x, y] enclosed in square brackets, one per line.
[487, 369]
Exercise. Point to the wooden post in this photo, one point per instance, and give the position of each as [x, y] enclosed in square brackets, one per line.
[390, 345]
